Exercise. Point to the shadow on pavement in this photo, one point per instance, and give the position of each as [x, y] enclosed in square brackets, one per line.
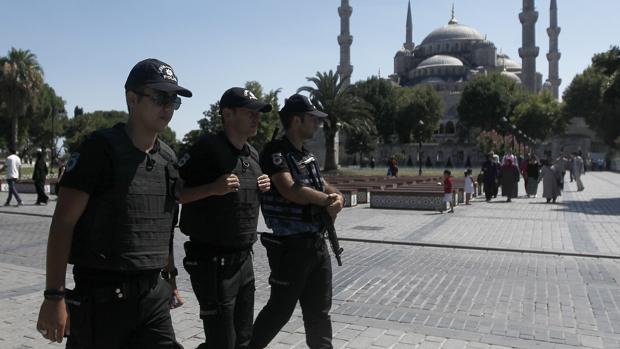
[603, 206]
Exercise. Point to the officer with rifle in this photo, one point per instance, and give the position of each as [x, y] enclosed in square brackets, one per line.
[296, 250]
[113, 221]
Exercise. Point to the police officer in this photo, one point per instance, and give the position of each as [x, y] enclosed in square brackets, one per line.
[223, 181]
[298, 256]
[113, 221]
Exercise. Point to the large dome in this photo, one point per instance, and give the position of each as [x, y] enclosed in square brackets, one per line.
[452, 32]
[440, 61]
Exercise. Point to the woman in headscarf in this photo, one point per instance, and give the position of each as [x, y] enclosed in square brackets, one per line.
[532, 172]
[551, 181]
[509, 177]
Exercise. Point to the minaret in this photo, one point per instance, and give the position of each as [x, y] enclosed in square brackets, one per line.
[409, 35]
[345, 40]
[528, 52]
[554, 55]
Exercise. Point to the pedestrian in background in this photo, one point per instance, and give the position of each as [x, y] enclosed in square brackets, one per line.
[39, 175]
[551, 181]
[448, 191]
[532, 173]
[578, 170]
[509, 178]
[13, 167]
[468, 186]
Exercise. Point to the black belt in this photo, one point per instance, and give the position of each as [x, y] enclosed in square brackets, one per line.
[198, 251]
[304, 240]
[118, 290]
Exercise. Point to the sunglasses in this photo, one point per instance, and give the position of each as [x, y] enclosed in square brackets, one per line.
[162, 99]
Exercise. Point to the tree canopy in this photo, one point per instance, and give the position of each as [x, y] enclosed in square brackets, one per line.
[486, 99]
[421, 103]
[21, 77]
[595, 95]
[345, 110]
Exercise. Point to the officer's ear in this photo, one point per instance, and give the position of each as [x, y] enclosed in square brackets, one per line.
[227, 113]
[132, 99]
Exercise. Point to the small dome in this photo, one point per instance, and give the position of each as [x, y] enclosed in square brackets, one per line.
[505, 62]
[452, 32]
[512, 76]
[440, 61]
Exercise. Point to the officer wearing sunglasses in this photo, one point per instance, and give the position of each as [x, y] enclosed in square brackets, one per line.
[114, 221]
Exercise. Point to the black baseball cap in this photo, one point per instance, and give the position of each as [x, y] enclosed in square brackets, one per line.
[157, 75]
[239, 97]
[300, 104]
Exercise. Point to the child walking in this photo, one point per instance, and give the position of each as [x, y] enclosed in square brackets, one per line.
[469, 186]
[447, 190]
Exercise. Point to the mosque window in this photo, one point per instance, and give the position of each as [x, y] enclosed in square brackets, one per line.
[442, 129]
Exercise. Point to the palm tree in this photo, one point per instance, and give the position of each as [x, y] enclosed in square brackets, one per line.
[345, 111]
[21, 76]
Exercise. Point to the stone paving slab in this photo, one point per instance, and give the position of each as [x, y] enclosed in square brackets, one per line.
[388, 296]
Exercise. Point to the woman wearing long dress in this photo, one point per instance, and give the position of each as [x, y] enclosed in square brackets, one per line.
[551, 182]
[509, 178]
[532, 173]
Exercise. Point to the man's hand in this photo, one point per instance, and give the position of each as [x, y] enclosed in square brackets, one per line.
[335, 205]
[53, 320]
[225, 184]
[175, 299]
[264, 183]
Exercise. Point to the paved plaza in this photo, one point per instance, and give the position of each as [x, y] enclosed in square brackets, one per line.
[551, 278]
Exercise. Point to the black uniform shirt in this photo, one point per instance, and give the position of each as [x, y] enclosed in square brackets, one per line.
[221, 220]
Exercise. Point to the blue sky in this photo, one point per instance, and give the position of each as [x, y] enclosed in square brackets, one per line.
[87, 47]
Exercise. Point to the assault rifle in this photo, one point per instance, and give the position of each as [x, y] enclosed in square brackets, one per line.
[331, 235]
[325, 218]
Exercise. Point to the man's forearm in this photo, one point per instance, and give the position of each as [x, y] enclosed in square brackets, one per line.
[58, 249]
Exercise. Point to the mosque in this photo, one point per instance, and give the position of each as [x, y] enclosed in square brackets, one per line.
[446, 59]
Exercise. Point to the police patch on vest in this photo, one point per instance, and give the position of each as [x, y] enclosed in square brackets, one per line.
[183, 160]
[277, 159]
[73, 160]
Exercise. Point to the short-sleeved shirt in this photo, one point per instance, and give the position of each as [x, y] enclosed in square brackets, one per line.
[13, 163]
[274, 160]
[447, 185]
[89, 169]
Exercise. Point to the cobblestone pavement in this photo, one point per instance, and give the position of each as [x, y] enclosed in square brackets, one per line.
[394, 296]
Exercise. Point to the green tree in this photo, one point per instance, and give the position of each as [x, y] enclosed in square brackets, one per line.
[45, 121]
[345, 110]
[595, 96]
[382, 96]
[486, 99]
[415, 104]
[21, 76]
[539, 116]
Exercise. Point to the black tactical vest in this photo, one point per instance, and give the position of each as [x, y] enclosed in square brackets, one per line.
[281, 213]
[227, 221]
[128, 227]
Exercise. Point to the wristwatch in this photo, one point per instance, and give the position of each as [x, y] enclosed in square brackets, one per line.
[169, 274]
[54, 294]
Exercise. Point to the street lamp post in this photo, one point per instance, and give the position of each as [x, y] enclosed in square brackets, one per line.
[419, 135]
[514, 129]
[503, 127]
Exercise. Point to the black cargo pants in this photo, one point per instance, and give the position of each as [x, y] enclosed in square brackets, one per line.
[129, 314]
[300, 271]
[224, 286]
